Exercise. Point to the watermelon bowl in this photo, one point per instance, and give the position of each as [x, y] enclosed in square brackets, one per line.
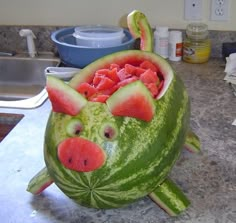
[80, 56]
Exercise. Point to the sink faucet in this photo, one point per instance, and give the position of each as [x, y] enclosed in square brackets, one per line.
[30, 41]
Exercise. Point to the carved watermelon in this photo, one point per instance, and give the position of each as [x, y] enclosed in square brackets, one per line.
[130, 125]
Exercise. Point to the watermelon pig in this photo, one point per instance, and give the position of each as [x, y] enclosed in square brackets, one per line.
[115, 132]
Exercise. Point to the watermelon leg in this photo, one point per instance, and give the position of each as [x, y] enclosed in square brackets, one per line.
[40, 182]
[170, 197]
[192, 142]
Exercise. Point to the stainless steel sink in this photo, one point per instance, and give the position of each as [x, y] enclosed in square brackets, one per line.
[22, 80]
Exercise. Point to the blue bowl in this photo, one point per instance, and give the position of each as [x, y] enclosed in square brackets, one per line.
[80, 56]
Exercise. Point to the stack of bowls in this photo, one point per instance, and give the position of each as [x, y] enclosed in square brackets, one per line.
[81, 45]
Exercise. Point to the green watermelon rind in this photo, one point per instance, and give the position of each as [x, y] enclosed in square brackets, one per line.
[170, 197]
[121, 181]
[39, 182]
[192, 142]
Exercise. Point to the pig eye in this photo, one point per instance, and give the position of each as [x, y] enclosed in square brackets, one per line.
[74, 128]
[109, 131]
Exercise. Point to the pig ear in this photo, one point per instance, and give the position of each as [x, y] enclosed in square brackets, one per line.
[133, 100]
[64, 99]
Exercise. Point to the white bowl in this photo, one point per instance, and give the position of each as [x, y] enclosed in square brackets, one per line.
[98, 36]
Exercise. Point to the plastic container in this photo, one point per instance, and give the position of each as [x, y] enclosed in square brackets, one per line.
[98, 36]
[197, 45]
[175, 46]
[161, 39]
[74, 55]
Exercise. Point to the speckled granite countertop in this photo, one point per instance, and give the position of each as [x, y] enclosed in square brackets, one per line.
[208, 178]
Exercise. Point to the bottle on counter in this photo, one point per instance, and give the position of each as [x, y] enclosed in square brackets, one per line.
[161, 36]
[197, 45]
[175, 46]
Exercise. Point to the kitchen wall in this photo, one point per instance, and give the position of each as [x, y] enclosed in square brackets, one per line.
[77, 12]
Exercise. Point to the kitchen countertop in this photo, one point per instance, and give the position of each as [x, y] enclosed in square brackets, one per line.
[207, 178]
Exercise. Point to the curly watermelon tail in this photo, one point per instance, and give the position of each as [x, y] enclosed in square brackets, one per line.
[139, 27]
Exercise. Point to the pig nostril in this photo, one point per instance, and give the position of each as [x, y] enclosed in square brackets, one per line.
[85, 162]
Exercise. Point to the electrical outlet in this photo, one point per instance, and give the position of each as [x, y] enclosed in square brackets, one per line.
[220, 10]
[192, 9]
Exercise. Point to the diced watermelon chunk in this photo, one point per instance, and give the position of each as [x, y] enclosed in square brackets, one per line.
[114, 65]
[152, 87]
[149, 76]
[105, 83]
[148, 65]
[111, 90]
[102, 72]
[122, 74]
[139, 71]
[96, 80]
[130, 69]
[110, 73]
[99, 98]
[127, 81]
[86, 89]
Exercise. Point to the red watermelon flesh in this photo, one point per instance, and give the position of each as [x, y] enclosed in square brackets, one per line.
[86, 89]
[99, 98]
[133, 100]
[110, 73]
[148, 65]
[64, 99]
[108, 80]
[136, 108]
[149, 76]
[80, 154]
[105, 83]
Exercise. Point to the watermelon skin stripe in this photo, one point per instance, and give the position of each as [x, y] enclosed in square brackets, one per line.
[117, 186]
[169, 197]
